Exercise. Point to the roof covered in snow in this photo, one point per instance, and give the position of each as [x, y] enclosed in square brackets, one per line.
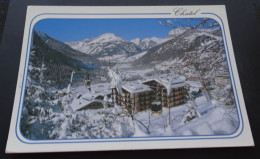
[135, 87]
[85, 100]
[90, 96]
[195, 84]
[168, 82]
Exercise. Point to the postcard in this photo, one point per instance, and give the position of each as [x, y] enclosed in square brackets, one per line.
[126, 78]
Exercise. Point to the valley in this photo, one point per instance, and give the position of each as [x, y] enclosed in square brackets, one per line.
[69, 93]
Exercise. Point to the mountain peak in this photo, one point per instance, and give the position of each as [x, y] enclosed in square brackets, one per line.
[136, 41]
[43, 36]
[107, 37]
[147, 43]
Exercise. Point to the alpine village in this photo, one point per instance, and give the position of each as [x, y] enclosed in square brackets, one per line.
[110, 87]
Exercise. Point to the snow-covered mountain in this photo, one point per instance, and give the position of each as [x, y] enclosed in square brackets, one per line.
[58, 64]
[196, 50]
[135, 57]
[176, 32]
[109, 47]
[136, 41]
[148, 43]
[106, 47]
[199, 41]
[64, 48]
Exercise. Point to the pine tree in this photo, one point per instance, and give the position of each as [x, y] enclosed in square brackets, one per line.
[191, 112]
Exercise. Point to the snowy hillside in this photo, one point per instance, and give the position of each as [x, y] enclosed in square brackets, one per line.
[65, 49]
[185, 44]
[136, 41]
[58, 122]
[176, 32]
[195, 51]
[215, 119]
[63, 62]
[148, 43]
[135, 57]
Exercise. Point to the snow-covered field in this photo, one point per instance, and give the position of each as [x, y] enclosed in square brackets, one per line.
[215, 119]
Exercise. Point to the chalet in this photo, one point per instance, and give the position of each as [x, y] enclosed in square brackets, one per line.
[88, 101]
[93, 104]
[170, 92]
[132, 96]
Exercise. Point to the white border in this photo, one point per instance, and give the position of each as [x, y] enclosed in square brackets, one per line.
[18, 144]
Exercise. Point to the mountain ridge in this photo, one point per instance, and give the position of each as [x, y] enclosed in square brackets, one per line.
[65, 49]
[106, 45]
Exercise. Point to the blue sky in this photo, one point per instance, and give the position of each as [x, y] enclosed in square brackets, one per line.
[66, 30]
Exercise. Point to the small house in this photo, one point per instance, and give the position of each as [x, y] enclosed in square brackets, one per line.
[82, 104]
[88, 101]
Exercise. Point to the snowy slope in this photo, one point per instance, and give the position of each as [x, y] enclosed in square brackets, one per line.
[215, 119]
[192, 40]
[63, 62]
[136, 41]
[135, 57]
[176, 32]
[203, 47]
[148, 43]
[107, 37]
[64, 48]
